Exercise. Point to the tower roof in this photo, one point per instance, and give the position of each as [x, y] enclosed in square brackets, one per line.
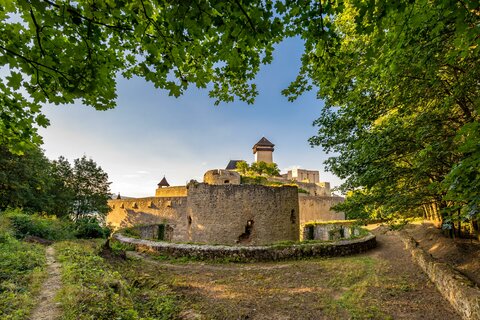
[163, 183]
[232, 165]
[263, 145]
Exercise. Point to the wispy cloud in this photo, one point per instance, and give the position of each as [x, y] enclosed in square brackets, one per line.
[130, 176]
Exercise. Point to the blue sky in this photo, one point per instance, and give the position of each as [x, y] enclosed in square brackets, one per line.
[150, 134]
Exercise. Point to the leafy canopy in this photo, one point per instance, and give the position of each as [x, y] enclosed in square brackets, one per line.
[58, 51]
[399, 78]
[258, 168]
[400, 84]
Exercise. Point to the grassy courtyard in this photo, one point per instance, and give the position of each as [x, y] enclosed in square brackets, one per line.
[381, 284]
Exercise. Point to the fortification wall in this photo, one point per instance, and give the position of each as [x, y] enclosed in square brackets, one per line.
[221, 177]
[316, 189]
[318, 208]
[153, 210]
[180, 191]
[242, 214]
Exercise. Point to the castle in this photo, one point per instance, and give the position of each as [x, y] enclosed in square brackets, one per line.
[222, 210]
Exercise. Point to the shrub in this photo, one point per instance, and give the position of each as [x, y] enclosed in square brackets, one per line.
[46, 227]
[90, 228]
[22, 225]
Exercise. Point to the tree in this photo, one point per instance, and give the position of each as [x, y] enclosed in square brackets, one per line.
[91, 189]
[399, 78]
[401, 91]
[62, 190]
[242, 167]
[272, 170]
[25, 181]
[57, 51]
[258, 168]
[32, 182]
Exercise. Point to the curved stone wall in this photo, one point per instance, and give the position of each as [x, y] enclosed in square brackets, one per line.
[221, 177]
[252, 253]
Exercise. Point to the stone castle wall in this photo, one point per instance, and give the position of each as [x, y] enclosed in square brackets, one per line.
[220, 177]
[314, 189]
[243, 214]
[147, 211]
[224, 214]
[315, 208]
[171, 192]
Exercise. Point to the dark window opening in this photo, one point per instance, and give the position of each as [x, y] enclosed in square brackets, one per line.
[293, 218]
[310, 233]
[226, 181]
[161, 232]
[189, 220]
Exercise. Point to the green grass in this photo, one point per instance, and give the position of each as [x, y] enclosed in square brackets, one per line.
[22, 270]
[265, 182]
[314, 223]
[95, 288]
[351, 279]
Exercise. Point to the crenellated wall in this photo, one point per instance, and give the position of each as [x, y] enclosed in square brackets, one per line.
[147, 211]
[171, 192]
[315, 208]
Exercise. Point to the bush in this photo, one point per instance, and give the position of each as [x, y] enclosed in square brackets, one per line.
[46, 227]
[21, 225]
[89, 228]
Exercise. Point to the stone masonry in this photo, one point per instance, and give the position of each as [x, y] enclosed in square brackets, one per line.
[223, 214]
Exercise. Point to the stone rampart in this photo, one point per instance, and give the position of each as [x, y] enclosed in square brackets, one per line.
[180, 191]
[148, 211]
[221, 177]
[463, 294]
[316, 208]
[252, 253]
[223, 214]
[321, 189]
[242, 214]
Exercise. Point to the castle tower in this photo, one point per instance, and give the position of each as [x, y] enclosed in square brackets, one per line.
[263, 151]
[163, 183]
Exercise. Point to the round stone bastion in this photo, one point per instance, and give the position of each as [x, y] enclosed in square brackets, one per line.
[221, 177]
[274, 252]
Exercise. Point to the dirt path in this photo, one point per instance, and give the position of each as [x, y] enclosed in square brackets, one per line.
[420, 299]
[381, 284]
[47, 308]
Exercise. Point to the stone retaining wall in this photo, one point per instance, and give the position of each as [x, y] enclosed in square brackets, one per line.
[330, 231]
[317, 208]
[463, 294]
[252, 253]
